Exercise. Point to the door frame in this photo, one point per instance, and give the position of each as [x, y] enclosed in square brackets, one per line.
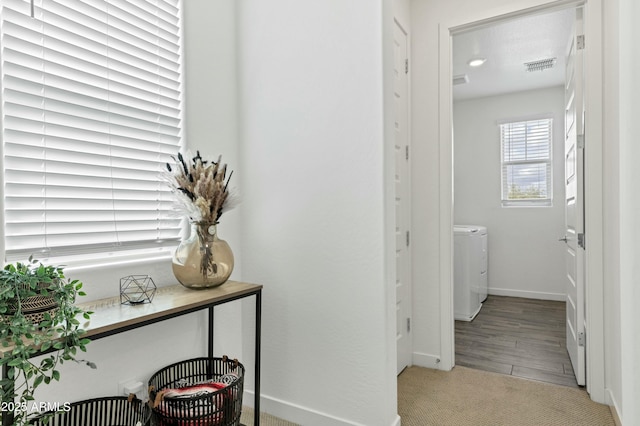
[407, 186]
[594, 270]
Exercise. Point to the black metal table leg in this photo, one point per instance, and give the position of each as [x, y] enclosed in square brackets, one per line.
[210, 341]
[256, 402]
[8, 416]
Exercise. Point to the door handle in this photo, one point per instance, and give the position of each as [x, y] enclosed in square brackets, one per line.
[563, 239]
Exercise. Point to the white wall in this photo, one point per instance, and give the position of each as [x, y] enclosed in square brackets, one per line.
[314, 227]
[525, 257]
[629, 13]
[211, 126]
[611, 164]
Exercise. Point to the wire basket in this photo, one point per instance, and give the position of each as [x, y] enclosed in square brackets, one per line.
[106, 411]
[34, 307]
[198, 392]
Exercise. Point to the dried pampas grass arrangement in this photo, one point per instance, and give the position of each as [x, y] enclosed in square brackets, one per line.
[202, 194]
[201, 188]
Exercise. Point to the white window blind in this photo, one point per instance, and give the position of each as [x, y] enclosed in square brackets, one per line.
[526, 148]
[91, 112]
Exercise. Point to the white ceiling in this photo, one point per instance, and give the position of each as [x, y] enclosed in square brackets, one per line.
[507, 46]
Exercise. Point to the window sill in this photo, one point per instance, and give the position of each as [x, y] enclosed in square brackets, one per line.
[79, 263]
[527, 203]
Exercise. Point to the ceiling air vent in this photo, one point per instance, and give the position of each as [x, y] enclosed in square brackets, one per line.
[460, 79]
[540, 65]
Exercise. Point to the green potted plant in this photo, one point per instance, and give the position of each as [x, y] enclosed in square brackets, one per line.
[37, 314]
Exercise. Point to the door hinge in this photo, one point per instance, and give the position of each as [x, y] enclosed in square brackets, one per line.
[581, 240]
[580, 42]
[408, 325]
[580, 141]
[582, 339]
[408, 238]
[406, 152]
[406, 66]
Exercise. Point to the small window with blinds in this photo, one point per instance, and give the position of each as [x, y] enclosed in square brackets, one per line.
[526, 148]
[91, 112]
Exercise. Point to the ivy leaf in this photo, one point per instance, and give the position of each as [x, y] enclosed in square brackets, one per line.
[15, 362]
[37, 381]
[58, 331]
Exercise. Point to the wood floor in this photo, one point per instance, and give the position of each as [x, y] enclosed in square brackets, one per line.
[520, 337]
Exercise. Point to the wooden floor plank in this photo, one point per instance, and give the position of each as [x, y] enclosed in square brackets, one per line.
[480, 363]
[544, 376]
[517, 336]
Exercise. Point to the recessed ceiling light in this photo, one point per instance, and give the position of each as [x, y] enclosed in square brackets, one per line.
[476, 62]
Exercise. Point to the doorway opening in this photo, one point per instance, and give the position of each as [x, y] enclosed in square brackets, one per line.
[508, 121]
[594, 319]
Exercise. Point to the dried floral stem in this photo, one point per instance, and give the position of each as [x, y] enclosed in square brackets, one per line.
[201, 188]
[208, 266]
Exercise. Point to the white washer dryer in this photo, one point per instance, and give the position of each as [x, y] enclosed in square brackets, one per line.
[470, 278]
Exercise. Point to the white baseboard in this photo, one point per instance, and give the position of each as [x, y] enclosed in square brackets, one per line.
[613, 406]
[561, 297]
[299, 414]
[397, 421]
[426, 360]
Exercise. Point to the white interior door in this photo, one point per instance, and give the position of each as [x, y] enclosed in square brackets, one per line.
[402, 199]
[574, 198]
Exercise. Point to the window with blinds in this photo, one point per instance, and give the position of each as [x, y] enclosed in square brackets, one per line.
[526, 148]
[91, 112]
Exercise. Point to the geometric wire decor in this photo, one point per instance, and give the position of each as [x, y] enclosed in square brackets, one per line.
[137, 289]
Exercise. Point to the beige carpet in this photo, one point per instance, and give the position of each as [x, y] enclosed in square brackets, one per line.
[466, 396]
[246, 418]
